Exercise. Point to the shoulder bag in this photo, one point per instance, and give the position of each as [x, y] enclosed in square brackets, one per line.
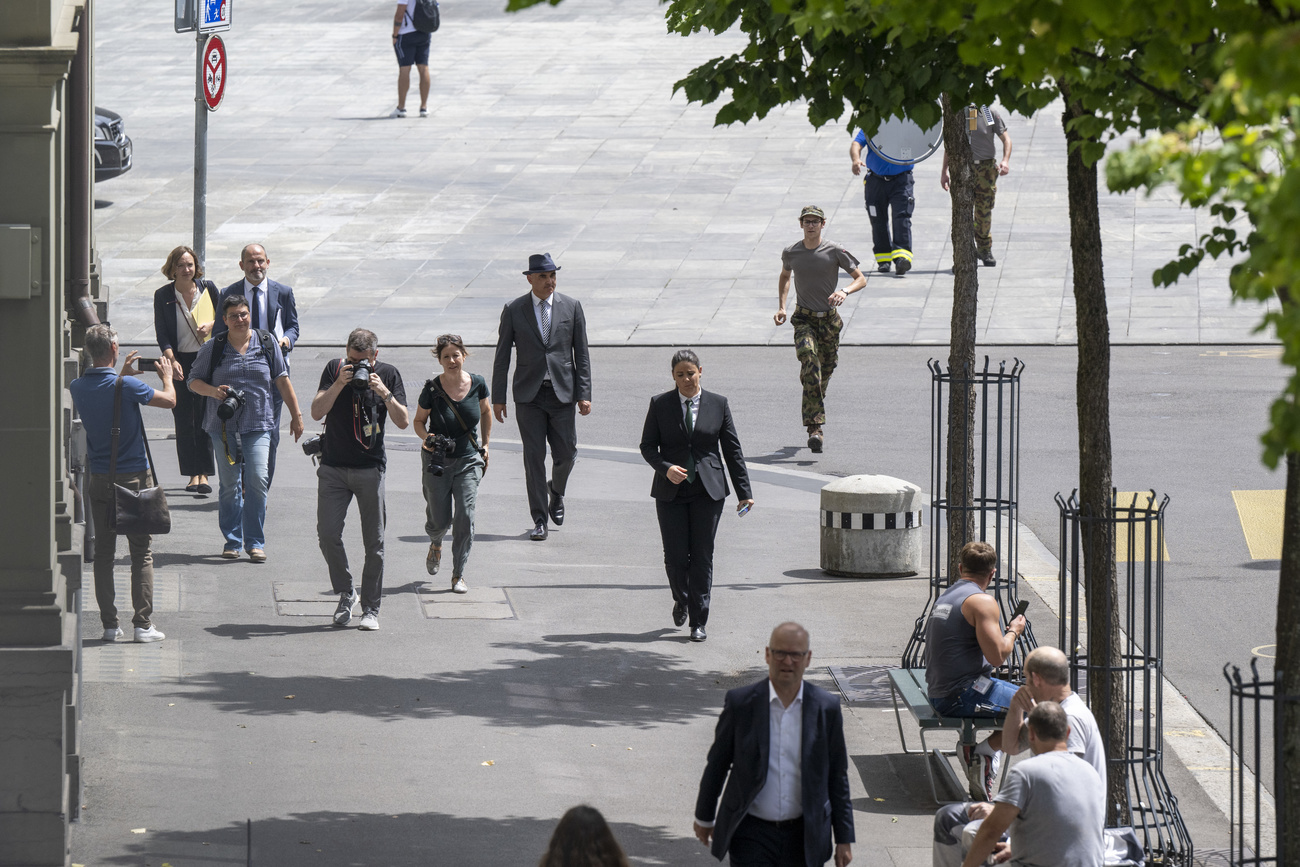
[473, 437]
[135, 513]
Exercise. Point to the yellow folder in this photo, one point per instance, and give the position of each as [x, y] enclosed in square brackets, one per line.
[204, 312]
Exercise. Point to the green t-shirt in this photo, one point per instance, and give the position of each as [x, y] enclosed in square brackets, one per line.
[442, 420]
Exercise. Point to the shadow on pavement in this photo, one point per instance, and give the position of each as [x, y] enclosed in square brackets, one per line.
[896, 785]
[548, 683]
[385, 840]
[623, 637]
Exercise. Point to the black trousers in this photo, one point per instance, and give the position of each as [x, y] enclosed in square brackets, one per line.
[886, 195]
[757, 843]
[543, 420]
[688, 525]
[193, 445]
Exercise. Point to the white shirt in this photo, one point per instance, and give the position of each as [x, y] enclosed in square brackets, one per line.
[186, 327]
[692, 405]
[408, 19]
[781, 797]
[550, 311]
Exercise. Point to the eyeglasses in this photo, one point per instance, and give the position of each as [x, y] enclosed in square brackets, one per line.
[241, 314]
[811, 221]
[788, 655]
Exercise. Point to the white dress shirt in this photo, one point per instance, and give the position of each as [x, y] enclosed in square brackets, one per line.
[256, 295]
[781, 797]
[692, 405]
[550, 310]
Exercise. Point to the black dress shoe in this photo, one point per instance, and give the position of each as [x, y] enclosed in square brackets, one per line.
[679, 614]
[557, 506]
[697, 633]
[539, 532]
[902, 266]
[883, 267]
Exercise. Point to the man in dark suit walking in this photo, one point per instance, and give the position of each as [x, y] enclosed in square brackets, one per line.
[552, 376]
[782, 740]
[273, 308]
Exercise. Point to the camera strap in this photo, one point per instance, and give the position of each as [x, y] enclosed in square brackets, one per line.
[230, 459]
[440, 393]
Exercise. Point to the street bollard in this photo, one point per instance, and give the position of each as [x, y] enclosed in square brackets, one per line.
[871, 527]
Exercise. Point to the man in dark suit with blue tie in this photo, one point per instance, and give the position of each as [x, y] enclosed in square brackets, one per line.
[779, 747]
[273, 309]
[552, 375]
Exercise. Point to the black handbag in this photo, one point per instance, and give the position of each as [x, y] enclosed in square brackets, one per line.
[135, 513]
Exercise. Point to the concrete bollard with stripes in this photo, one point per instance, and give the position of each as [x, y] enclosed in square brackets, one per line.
[871, 527]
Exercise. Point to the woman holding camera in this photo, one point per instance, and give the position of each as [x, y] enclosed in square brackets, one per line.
[183, 313]
[450, 407]
[688, 434]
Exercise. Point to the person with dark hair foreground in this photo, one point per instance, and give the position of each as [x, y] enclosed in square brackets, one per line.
[688, 433]
[583, 839]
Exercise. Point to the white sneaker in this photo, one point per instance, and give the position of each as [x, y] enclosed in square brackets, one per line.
[398, 112]
[424, 112]
[369, 621]
[112, 634]
[144, 636]
[458, 586]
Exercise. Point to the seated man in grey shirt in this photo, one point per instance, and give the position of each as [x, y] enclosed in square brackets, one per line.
[1051, 803]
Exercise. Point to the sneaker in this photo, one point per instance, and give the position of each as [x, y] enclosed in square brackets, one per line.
[343, 614]
[144, 636]
[902, 266]
[113, 634]
[433, 559]
[991, 767]
[398, 112]
[458, 585]
[369, 621]
[981, 773]
[424, 112]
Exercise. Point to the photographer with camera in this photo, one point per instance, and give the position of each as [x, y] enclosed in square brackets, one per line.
[238, 370]
[357, 393]
[451, 405]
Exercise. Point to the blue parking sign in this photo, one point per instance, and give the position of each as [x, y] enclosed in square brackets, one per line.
[214, 15]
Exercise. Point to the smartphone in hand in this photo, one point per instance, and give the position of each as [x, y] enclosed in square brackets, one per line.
[1021, 607]
[143, 364]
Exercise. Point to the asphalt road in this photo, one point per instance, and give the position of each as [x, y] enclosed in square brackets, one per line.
[1185, 421]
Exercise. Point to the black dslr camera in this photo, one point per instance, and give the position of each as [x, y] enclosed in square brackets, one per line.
[313, 446]
[361, 370]
[230, 404]
[439, 445]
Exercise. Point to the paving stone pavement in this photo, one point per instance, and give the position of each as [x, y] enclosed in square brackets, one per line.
[556, 130]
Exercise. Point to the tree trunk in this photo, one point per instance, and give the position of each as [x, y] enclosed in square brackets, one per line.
[1092, 391]
[960, 482]
[1286, 671]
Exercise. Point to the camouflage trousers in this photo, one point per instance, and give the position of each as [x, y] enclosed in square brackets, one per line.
[817, 344]
[986, 189]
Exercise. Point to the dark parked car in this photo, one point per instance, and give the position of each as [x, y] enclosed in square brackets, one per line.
[112, 147]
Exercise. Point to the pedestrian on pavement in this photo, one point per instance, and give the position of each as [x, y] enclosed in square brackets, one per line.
[964, 642]
[1053, 803]
[552, 375]
[454, 460]
[273, 309]
[985, 124]
[583, 839]
[815, 264]
[238, 370]
[183, 315]
[887, 190]
[779, 746]
[357, 394]
[94, 394]
[411, 44]
[688, 433]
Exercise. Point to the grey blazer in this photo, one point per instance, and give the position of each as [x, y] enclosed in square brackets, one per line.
[564, 360]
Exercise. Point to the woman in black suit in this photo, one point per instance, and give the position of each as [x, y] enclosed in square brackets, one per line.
[688, 434]
[179, 337]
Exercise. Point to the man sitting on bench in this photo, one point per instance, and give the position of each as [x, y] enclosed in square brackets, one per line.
[964, 642]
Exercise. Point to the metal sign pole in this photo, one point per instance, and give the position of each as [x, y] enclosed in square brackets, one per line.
[200, 155]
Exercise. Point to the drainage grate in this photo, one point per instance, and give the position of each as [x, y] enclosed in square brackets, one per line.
[864, 684]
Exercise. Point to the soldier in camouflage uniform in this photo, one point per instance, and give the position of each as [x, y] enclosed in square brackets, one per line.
[815, 264]
[985, 125]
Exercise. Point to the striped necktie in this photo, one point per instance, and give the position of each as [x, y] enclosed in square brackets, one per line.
[546, 322]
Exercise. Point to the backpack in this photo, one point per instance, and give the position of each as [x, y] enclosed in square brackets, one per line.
[219, 348]
[425, 17]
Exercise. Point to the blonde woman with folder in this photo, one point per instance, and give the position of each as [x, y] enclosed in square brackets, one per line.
[183, 313]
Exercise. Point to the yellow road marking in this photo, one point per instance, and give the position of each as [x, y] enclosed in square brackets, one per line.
[1261, 520]
[1189, 733]
[1140, 500]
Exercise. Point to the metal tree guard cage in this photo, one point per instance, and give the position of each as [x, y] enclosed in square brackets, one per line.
[1139, 662]
[988, 464]
[1252, 814]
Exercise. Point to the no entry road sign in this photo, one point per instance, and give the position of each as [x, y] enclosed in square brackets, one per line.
[214, 72]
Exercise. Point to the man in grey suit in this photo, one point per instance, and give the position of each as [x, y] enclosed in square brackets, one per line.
[552, 375]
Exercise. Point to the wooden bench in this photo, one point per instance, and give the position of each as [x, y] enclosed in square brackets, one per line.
[908, 685]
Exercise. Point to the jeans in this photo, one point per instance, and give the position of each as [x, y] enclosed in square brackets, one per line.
[242, 512]
[970, 703]
[334, 492]
[458, 487]
[101, 505]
